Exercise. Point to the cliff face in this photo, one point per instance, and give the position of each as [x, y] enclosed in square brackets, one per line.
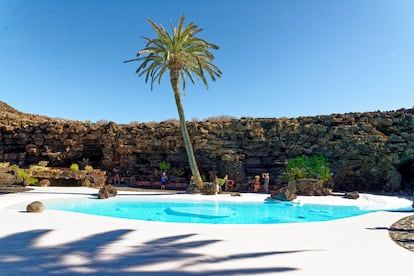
[368, 151]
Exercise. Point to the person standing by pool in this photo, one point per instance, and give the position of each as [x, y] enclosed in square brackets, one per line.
[116, 179]
[226, 181]
[266, 181]
[256, 184]
[164, 180]
[216, 184]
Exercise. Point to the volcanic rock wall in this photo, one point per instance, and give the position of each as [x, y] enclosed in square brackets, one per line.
[368, 151]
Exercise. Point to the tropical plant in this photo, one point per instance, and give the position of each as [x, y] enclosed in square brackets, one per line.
[24, 176]
[221, 181]
[88, 168]
[32, 181]
[20, 173]
[74, 167]
[316, 166]
[164, 165]
[182, 54]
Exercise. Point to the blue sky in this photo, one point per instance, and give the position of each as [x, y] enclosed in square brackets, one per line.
[280, 58]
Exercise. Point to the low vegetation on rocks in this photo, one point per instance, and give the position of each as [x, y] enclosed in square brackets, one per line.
[315, 166]
[41, 175]
[305, 175]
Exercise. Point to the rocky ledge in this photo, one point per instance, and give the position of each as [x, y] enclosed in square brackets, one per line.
[371, 151]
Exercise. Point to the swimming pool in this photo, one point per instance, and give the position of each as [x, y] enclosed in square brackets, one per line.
[201, 211]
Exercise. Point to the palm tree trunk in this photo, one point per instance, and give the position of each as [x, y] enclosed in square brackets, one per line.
[175, 83]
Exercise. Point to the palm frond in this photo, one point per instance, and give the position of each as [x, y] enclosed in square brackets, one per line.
[179, 48]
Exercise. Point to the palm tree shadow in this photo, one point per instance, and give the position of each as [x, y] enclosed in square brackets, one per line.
[20, 255]
[391, 229]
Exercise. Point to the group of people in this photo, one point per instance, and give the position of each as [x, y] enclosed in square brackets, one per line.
[224, 182]
[256, 182]
[118, 180]
[228, 184]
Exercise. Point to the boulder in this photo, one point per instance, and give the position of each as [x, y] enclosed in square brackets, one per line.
[192, 189]
[209, 188]
[35, 207]
[107, 191]
[311, 187]
[284, 194]
[351, 195]
[44, 182]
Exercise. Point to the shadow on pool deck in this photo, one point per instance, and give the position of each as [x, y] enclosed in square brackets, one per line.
[401, 231]
[19, 255]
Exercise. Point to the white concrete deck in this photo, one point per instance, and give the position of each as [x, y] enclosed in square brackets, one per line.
[63, 243]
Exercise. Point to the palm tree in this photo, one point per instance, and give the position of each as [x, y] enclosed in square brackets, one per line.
[183, 54]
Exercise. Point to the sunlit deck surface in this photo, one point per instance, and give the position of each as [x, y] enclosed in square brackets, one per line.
[64, 243]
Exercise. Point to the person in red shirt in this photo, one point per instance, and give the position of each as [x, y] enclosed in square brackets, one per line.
[256, 184]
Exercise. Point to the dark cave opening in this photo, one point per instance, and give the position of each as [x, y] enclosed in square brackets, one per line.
[407, 175]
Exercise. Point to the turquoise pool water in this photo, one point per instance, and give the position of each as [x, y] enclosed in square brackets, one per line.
[213, 212]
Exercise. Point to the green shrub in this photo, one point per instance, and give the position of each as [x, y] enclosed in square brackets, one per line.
[21, 174]
[221, 181]
[164, 165]
[74, 167]
[316, 166]
[24, 176]
[88, 168]
[32, 181]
